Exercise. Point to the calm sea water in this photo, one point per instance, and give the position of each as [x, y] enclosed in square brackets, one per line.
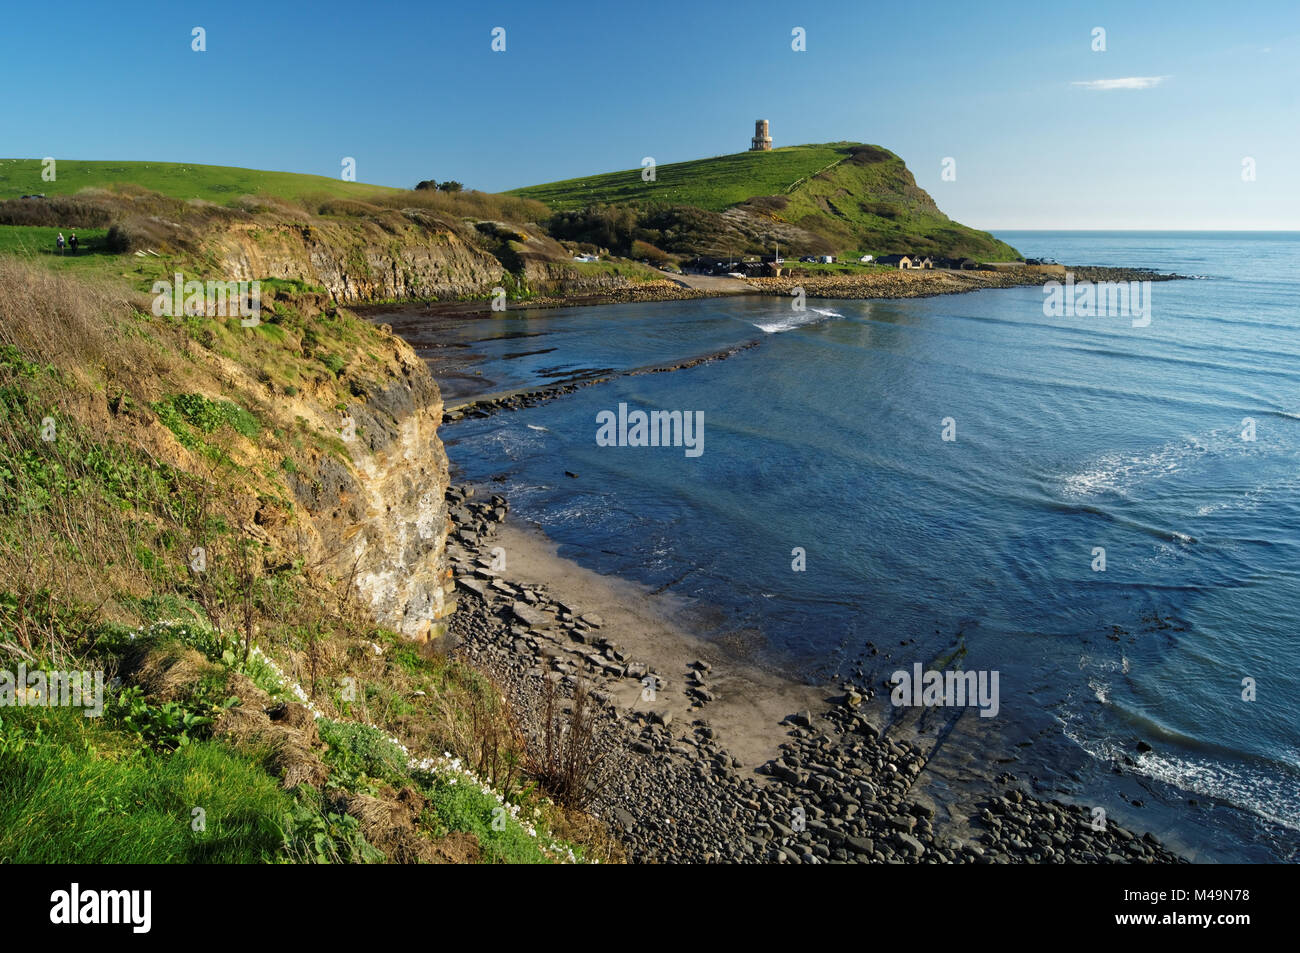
[1071, 434]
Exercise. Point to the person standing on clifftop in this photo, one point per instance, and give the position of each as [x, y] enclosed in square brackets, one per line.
[59, 242]
[72, 242]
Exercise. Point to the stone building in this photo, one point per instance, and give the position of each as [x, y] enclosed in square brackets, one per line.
[762, 141]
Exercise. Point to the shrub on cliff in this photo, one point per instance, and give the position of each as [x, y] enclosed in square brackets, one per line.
[357, 750]
[118, 240]
[571, 758]
[644, 251]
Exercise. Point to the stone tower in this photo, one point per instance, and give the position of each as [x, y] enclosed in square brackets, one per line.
[762, 141]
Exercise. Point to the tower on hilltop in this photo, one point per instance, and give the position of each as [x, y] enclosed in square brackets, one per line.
[762, 141]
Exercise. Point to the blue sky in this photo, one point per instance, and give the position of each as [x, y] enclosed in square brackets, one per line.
[414, 91]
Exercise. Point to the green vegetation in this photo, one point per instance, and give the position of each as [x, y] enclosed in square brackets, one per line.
[870, 200]
[503, 840]
[814, 199]
[183, 576]
[213, 183]
[145, 222]
[181, 412]
[29, 240]
[360, 751]
[631, 270]
[318, 835]
[76, 791]
[171, 724]
[713, 184]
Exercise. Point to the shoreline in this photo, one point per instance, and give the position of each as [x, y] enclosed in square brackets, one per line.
[729, 762]
[880, 284]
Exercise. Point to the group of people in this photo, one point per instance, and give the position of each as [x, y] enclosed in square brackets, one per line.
[71, 242]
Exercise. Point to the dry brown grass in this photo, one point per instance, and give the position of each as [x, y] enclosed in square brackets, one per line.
[590, 831]
[444, 705]
[570, 759]
[108, 509]
[71, 323]
[172, 672]
[390, 823]
[61, 541]
[471, 204]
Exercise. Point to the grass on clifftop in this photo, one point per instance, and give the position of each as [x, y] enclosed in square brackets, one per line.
[145, 221]
[844, 196]
[213, 183]
[713, 184]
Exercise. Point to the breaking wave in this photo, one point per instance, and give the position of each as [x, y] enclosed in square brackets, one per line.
[798, 319]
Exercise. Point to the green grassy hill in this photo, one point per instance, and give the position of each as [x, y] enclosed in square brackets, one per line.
[713, 184]
[215, 183]
[842, 196]
[145, 220]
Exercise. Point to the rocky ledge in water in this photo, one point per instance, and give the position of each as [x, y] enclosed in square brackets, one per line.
[841, 791]
[887, 283]
[519, 400]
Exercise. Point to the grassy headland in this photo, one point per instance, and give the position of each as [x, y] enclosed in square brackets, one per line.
[363, 243]
[714, 184]
[831, 198]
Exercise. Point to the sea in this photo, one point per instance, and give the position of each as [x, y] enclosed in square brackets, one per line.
[1103, 510]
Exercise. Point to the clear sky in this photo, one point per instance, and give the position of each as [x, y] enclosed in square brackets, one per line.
[1045, 131]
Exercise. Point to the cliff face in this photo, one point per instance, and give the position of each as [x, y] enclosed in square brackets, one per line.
[361, 261]
[333, 461]
[408, 257]
[298, 458]
[359, 253]
[313, 434]
[376, 514]
[399, 545]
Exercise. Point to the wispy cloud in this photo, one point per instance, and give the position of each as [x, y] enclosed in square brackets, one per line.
[1127, 82]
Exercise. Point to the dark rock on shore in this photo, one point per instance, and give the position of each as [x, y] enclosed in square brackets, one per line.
[486, 406]
[841, 790]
